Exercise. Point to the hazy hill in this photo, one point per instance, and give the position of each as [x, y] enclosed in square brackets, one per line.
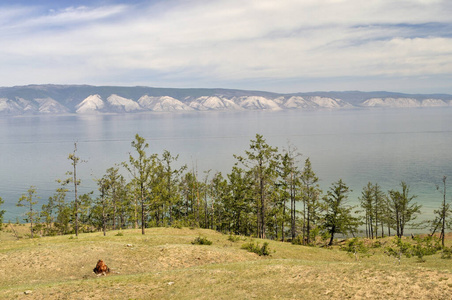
[86, 99]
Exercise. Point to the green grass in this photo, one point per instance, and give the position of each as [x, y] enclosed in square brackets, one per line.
[164, 264]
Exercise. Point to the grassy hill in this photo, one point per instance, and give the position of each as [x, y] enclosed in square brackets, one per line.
[164, 264]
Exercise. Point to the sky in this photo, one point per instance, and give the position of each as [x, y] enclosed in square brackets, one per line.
[281, 46]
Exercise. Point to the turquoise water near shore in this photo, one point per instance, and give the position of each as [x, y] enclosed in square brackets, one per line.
[384, 146]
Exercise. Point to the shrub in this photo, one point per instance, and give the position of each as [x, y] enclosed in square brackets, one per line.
[376, 244]
[177, 225]
[201, 241]
[425, 246]
[400, 248]
[233, 238]
[298, 240]
[255, 248]
[446, 253]
[119, 234]
[355, 246]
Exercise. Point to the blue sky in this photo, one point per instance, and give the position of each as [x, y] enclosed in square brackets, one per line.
[280, 46]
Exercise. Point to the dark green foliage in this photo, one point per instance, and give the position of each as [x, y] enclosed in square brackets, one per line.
[201, 241]
[233, 238]
[400, 247]
[261, 162]
[29, 200]
[298, 240]
[422, 247]
[376, 244]
[355, 247]
[256, 248]
[401, 209]
[1, 213]
[446, 253]
[177, 225]
[311, 204]
[119, 234]
[338, 216]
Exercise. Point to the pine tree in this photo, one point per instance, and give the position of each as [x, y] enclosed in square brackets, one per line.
[290, 184]
[141, 169]
[311, 195]
[29, 200]
[261, 161]
[1, 213]
[170, 178]
[367, 203]
[442, 215]
[75, 160]
[103, 184]
[338, 216]
[239, 200]
[402, 210]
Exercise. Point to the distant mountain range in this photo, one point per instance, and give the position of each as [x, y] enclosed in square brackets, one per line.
[85, 99]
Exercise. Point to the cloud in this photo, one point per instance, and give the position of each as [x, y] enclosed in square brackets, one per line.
[210, 42]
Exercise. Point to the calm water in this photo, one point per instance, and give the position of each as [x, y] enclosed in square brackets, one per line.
[384, 146]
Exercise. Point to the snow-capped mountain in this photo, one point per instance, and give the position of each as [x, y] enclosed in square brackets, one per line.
[84, 99]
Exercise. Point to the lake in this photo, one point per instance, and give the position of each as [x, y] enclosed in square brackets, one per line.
[377, 145]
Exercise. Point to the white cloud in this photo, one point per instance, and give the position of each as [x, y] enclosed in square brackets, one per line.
[226, 41]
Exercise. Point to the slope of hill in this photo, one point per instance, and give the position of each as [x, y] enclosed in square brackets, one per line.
[164, 264]
[85, 99]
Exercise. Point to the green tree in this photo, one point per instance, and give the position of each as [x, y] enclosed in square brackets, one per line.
[170, 178]
[402, 210]
[310, 196]
[239, 200]
[63, 213]
[47, 216]
[102, 201]
[290, 186]
[74, 161]
[141, 168]
[442, 215]
[113, 184]
[1, 213]
[220, 208]
[380, 208]
[338, 216]
[261, 160]
[84, 210]
[373, 202]
[367, 203]
[29, 200]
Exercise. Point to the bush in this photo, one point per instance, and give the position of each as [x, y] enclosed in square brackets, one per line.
[233, 238]
[177, 225]
[355, 246]
[119, 234]
[424, 246]
[376, 244]
[255, 248]
[201, 241]
[298, 240]
[446, 253]
[400, 248]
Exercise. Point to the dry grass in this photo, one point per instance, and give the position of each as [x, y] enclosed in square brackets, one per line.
[163, 264]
